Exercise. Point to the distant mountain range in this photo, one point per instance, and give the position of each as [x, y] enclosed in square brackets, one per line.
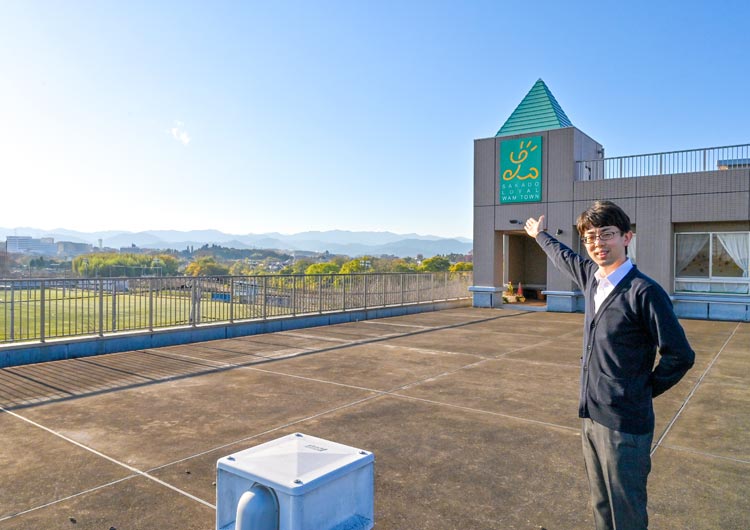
[334, 241]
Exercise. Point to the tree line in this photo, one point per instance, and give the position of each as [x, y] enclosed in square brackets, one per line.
[206, 263]
[112, 264]
[210, 266]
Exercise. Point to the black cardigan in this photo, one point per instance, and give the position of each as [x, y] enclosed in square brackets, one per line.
[618, 378]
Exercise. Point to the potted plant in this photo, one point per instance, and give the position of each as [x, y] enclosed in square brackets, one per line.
[511, 296]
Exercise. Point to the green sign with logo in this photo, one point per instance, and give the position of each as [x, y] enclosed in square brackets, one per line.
[521, 170]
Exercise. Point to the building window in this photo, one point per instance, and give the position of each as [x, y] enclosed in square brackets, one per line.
[712, 262]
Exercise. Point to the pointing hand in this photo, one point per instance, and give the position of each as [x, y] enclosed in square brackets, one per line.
[534, 226]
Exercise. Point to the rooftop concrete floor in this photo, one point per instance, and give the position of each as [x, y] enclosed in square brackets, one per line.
[471, 414]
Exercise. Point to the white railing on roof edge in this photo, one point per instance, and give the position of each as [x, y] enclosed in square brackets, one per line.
[669, 163]
[41, 309]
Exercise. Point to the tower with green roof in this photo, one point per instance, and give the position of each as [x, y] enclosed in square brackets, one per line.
[538, 111]
[527, 169]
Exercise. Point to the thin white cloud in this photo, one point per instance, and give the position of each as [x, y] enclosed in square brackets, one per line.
[180, 134]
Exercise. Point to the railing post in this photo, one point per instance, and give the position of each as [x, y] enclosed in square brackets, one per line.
[265, 297]
[343, 297]
[193, 302]
[101, 307]
[151, 304]
[320, 294]
[21, 320]
[114, 305]
[445, 286]
[383, 278]
[231, 299]
[42, 308]
[402, 287]
[365, 288]
[294, 294]
[432, 286]
[12, 311]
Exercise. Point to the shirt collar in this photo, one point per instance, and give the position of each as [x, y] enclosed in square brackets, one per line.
[615, 276]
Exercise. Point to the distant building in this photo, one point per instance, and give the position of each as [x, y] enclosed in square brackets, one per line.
[735, 163]
[132, 249]
[71, 249]
[29, 245]
[304, 254]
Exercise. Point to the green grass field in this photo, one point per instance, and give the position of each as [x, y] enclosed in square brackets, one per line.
[84, 312]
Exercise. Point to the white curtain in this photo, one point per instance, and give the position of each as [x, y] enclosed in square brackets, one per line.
[693, 287]
[688, 246]
[729, 288]
[736, 246]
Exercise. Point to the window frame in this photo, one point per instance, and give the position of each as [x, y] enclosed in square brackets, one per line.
[710, 279]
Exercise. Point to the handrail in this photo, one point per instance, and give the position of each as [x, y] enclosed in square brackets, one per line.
[44, 309]
[665, 163]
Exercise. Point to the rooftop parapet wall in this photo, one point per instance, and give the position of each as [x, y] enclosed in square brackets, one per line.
[706, 196]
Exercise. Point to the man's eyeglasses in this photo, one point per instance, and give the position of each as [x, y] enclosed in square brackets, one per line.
[604, 236]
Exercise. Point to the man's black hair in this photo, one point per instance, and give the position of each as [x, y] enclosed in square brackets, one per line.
[603, 213]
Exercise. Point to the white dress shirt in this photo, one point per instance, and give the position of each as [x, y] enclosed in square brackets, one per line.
[606, 283]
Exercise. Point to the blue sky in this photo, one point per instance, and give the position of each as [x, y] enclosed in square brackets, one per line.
[291, 116]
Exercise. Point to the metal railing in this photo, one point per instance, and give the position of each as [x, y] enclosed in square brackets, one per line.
[671, 163]
[42, 309]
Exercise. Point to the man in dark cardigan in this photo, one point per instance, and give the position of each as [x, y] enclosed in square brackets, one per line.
[629, 317]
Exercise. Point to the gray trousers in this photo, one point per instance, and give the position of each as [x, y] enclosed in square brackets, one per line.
[617, 465]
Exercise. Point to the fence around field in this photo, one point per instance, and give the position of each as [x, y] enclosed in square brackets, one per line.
[38, 310]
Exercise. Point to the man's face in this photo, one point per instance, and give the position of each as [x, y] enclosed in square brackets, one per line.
[606, 246]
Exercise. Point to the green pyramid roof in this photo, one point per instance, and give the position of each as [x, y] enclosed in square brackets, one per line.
[539, 111]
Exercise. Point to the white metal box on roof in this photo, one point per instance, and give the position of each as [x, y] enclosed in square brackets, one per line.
[317, 484]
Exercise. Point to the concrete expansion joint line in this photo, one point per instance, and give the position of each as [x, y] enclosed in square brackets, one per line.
[356, 342]
[356, 387]
[312, 379]
[219, 365]
[538, 363]
[551, 340]
[226, 365]
[491, 413]
[63, 499]
[269, 431]
[130, 468]
[703, 453]
[375, 321]
[429, 351]
[693, 390]
[314, 337]
[433, 377]
[376, 394]
[367, 389]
